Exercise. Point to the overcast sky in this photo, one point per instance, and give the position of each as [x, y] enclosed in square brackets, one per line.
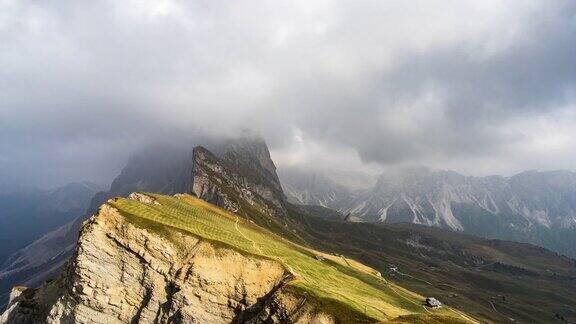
[480, 87]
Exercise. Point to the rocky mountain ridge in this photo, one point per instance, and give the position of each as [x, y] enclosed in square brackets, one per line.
[534, 207]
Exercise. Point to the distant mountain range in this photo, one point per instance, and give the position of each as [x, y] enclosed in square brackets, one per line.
[534, 207]
[334, 190]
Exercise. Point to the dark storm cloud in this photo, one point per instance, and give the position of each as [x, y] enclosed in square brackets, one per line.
[461, 84]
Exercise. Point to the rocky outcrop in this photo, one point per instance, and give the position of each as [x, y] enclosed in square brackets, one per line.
[231, 186]
[125, 272]
[251, 191]
[249, 154]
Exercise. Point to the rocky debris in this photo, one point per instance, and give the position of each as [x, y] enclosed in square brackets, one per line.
[124, 273]
[348, 217]
[15, 293]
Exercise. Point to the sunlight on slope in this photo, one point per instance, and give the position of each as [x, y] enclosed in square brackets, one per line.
[341, 281]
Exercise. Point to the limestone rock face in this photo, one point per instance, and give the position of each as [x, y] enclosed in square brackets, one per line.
[126, 273]
[250, 153]
[225, 184]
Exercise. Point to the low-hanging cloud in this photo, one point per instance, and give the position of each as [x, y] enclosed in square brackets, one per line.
[476, 86]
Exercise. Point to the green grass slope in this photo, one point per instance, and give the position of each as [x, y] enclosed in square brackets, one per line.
[351, 291]
[494, 281]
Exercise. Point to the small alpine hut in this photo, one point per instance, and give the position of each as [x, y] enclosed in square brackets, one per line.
[433, 302]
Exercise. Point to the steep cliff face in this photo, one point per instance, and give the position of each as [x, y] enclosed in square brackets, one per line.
[252, 191]
[227, 184]
[122, 272]
[249, 155]
[534, 207]
[164, 169]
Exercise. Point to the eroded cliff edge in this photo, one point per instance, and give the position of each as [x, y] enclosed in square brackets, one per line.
[126, 271]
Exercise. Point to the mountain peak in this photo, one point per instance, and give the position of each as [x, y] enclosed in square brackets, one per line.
[249, 152]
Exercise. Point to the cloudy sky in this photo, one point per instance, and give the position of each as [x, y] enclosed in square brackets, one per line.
[480, 87]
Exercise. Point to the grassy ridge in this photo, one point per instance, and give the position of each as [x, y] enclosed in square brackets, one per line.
[351, 291]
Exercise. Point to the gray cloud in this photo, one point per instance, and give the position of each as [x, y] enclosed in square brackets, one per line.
[483, 87]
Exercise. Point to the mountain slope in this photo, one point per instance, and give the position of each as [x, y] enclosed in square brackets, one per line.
[165, 259]
[240, 189]
[28, 214]
[492, 280]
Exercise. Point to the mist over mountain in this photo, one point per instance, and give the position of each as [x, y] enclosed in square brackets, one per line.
[159, 168]
[28, 213]
[530, 207]
[333, 189]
